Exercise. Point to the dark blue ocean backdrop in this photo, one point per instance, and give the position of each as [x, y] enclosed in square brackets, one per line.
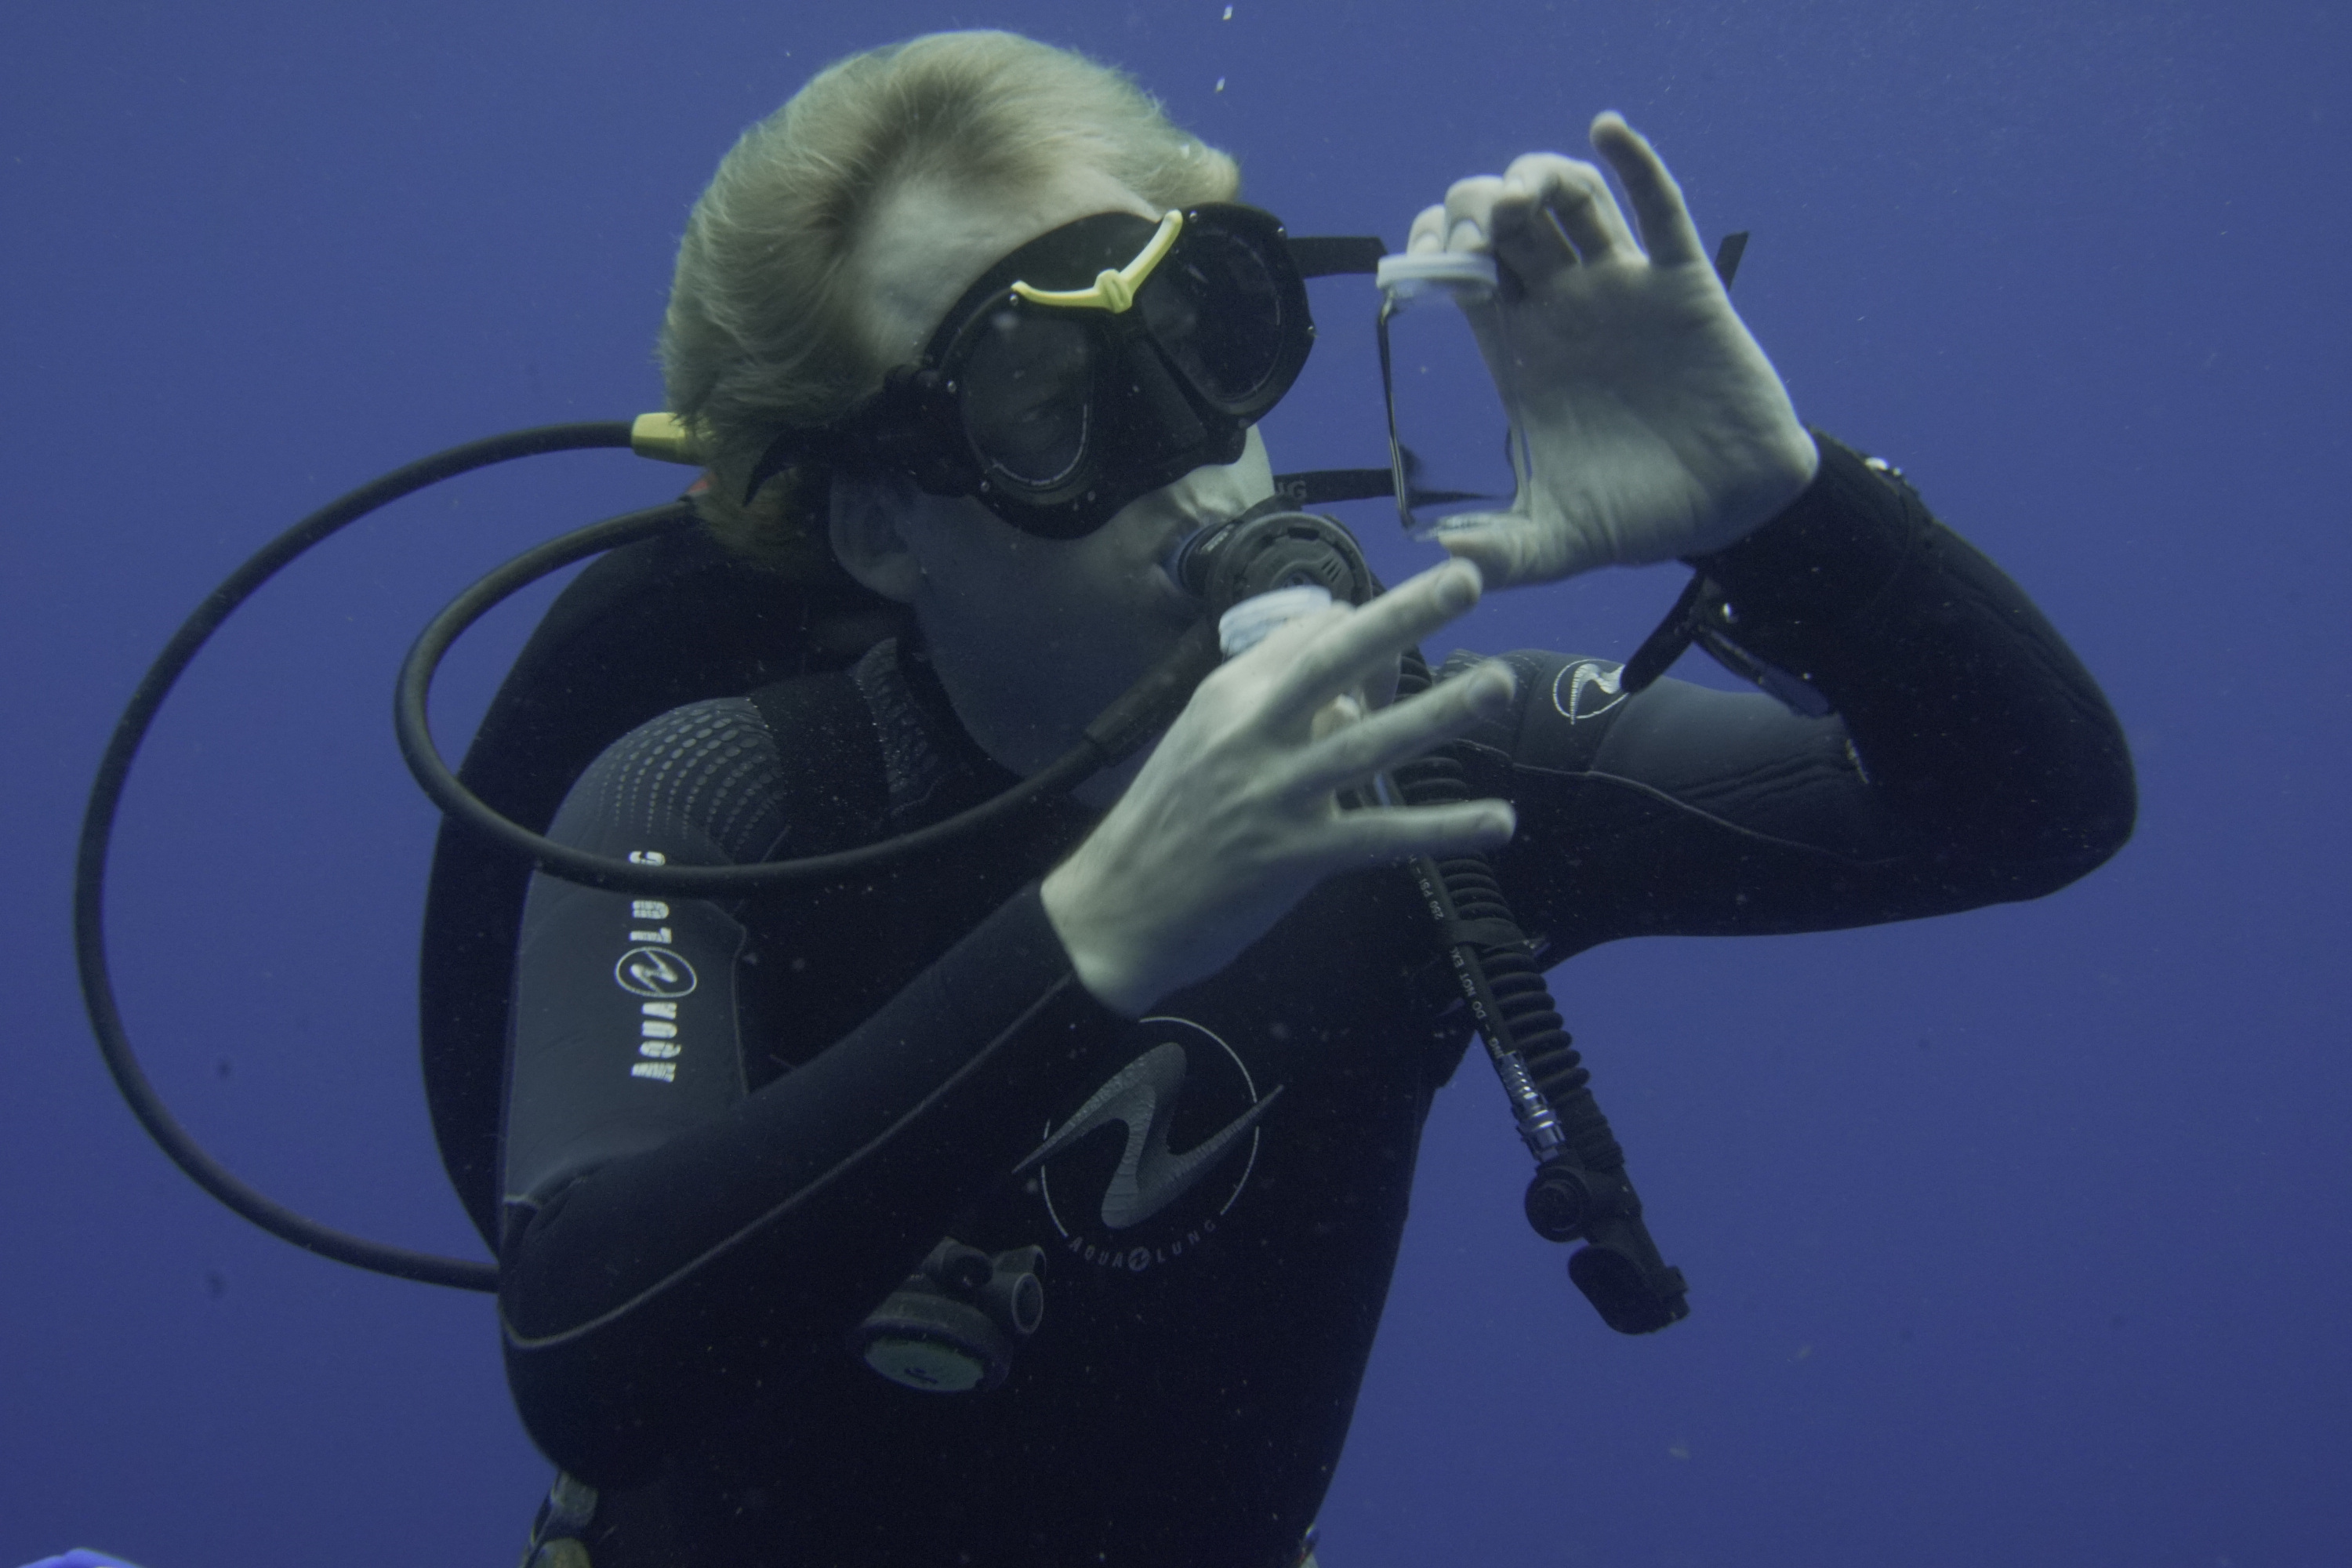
[2016, 1238]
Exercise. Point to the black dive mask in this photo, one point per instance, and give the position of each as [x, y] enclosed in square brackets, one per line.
[1093, 365]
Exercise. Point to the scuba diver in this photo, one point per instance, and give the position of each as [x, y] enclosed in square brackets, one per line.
[1033, 1198]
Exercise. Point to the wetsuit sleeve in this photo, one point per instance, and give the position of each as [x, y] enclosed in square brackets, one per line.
[675, 1246]
[1968, 758]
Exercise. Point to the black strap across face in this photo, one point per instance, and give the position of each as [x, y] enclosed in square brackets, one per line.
[1329, 256]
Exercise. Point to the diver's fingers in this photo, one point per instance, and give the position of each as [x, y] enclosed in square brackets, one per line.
[1581, 211]
[1320, 657]
[1666, 227]
[1428, 229]
[1354, 838]
[1401, 732]
[1468, 206]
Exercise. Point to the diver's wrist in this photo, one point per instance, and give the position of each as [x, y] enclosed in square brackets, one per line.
[1111, 977]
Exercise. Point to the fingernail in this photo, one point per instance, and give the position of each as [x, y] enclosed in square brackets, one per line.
[1499, 824]
[1460, 588]
[1495, 685]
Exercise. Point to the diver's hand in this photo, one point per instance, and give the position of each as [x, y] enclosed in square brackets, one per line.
[1655, 426]
[1234, 818]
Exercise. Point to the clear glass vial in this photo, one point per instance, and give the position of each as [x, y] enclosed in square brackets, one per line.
[1445, 365]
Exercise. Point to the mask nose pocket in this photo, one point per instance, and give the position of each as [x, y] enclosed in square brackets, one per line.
[1153, 401]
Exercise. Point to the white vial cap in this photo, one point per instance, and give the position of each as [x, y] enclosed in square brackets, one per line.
[1456, 272]
[1246, 626]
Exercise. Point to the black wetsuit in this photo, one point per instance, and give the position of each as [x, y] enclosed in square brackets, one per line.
[732, 1131]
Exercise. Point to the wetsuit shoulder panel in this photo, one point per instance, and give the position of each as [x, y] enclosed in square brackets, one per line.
[626, 1026]
[1969, 758]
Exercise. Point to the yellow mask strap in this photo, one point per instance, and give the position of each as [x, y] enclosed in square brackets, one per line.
[1112, 291]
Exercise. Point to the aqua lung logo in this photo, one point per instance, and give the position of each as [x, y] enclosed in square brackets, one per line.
[1586, 689]
[1145, 1171]
[653, 969]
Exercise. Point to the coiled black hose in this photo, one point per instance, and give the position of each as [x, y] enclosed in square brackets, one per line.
[1580, 1188]
[1524, 1002]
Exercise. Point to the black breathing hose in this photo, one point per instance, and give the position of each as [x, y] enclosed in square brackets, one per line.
[106, 801]
[1117, 731]
[1126, 724]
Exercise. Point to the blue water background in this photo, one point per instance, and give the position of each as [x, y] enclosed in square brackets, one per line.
[2015, 1238]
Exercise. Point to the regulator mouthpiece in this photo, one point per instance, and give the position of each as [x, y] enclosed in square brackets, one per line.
[1265, 549]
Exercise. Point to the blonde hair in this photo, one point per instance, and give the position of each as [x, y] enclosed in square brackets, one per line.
[761, 332]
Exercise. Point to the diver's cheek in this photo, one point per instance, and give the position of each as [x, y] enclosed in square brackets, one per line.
[1208, 494]
[1259, 465]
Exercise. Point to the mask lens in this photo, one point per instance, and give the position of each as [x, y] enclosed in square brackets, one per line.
[1026, 387]
[1214, 311]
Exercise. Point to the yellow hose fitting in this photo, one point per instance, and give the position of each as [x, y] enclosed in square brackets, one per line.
[667, 438]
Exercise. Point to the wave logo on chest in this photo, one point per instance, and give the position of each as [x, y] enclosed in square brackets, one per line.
[1150, 1178]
